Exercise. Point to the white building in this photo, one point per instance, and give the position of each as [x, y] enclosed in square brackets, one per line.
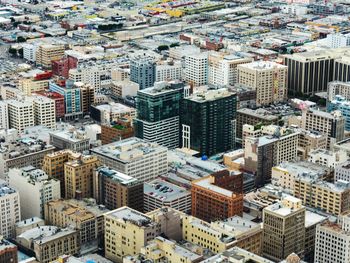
[114, 111]
[223, 68]
[333, 241]
[196, 69]
[29, 52]
[44, 111]
[337, 40]
[124, 88]
[269, 79]
[159, 193]
[35, 190]
[170, 70]
[4, 119]
[21, 114]
[183, 51]
[10, 210]
[342, 171]
[335, 88]
[327, 158]
[294, 9]
[134, 157]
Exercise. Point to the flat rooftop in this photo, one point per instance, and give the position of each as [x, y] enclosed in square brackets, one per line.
[164, 191]
[130, 215]
[117, 176]
[207, 184]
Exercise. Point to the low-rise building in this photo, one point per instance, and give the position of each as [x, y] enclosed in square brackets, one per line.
[8, 251]
[327, 158]
[75, 140]
[159, 193]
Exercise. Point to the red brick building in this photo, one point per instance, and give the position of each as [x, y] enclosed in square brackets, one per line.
[62, 66]
[217, 196]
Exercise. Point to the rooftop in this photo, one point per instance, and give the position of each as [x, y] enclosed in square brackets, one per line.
[117, 176]
[206, 183]
[43, 234]
[210, 95]
[132, 216]
[164, 191]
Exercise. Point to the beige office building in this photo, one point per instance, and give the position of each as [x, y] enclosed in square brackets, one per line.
[268, 78]
[21, 114]
[44, 111]
[46, 53]
[78, 177]
[126, 232]
[284, 229]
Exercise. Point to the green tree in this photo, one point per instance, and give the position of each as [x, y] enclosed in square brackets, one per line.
[21, 39]
[174, 44]
[163, 47]
[12, 51]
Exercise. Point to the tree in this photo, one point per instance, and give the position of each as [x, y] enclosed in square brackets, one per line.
[21, 39]
[12, 51]
[163, 47]
[20, 53]
[174, 44]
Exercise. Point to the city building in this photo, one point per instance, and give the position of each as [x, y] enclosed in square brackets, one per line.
[35, 189]
[252, 117]
[114, 189]
[269, 79]
[327, 158]
[59, 102]
[168, 70]
[45, 54]
[342, 105]
[124, 88]
[309, 141]
[34, 81]
[342, 171]
[333, 198]
[8, 251]
[72, 97]
[11, 211]
[112, 112]
[309, 72]
[208, 121]
[332, 240]
[21, 114]
[284, 229]
[218, 196]
[331, 124]
[4, 115]
[78, 177]
[284, 174]
[19, 153]
[44, 111]
[134, 157]
[50, 242]
[235, 253]
[134, 230]
[28, 224]
[338, 40]
[223, 68]
[338, 88]
[71, 139]
[158, 113]
[116, 131]
[196, 69]
[29, 51]
[159, 193]
[143, 71]
[85, 216]
[53, 165]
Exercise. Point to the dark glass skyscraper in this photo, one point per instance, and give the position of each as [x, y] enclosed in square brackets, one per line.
[158, 110]
[208, 121]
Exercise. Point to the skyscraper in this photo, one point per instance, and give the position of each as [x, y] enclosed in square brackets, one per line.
[143, 71]
[208, 121]
[158, 110]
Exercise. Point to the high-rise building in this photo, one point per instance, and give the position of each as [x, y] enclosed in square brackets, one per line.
[35, 189]
[309, 72]
[269, 79]
[333, 241]
[114, 189]
[343, 105]
[21, 114]
[338, 40]
[331, 124]
[284, 229]
[4, 115]
[85, 216]
[158, 114]
[11, 210]
[223, 68]
[59, 102]
[72, 98]
[53, 165]
[44, 111]
[218, 196]
[34, 81]
[134, 157]
[338, 88]
[143, 71]
[169, 70]
[45, 54]
[78, 177]
[87, 93]
[134, 230]
[196, 69]
[208, 121]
